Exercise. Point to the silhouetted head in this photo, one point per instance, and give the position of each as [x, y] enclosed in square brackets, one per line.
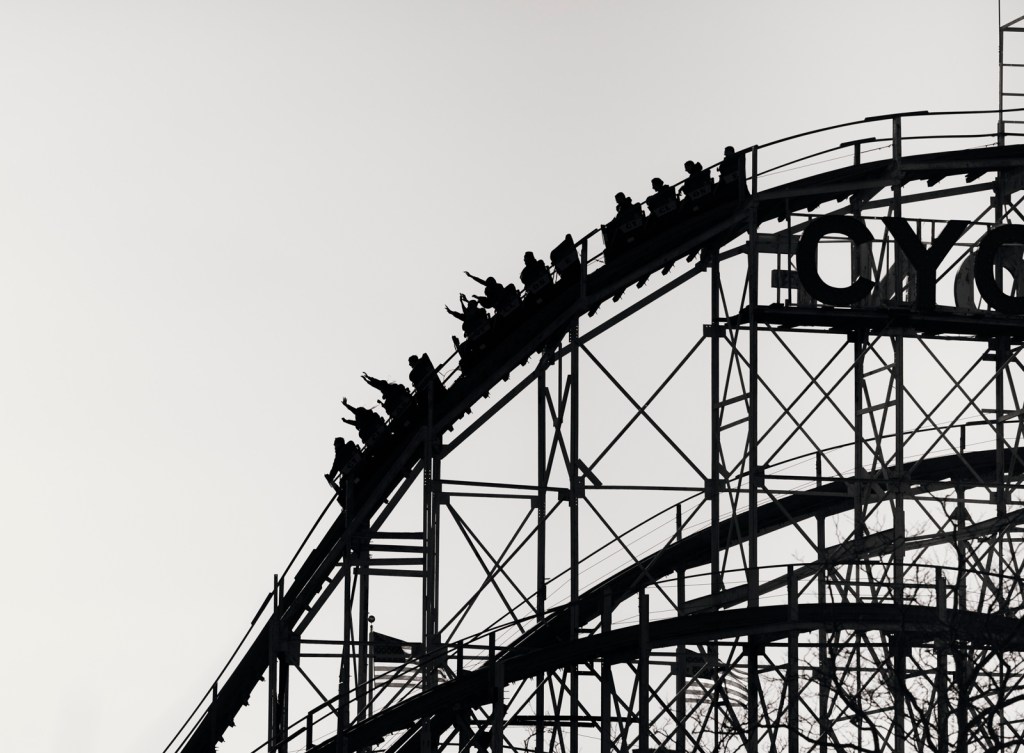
[413, 360]
[729, 151]
[690, 167]
[339, 443]
[490, 281]
[620, 198]
[657, 184]
[529, 258]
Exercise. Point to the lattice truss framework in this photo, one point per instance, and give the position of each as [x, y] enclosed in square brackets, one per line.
[691, 525]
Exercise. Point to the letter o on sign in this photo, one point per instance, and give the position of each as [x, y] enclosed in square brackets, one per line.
[984, 268]
[807, 260]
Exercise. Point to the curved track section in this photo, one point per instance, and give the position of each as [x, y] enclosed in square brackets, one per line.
[722, 625]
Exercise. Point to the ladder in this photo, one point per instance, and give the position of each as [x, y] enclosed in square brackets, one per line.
[1011, 68]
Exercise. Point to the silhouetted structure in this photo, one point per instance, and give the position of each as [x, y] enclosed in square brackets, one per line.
[369, 425]
[823, 658]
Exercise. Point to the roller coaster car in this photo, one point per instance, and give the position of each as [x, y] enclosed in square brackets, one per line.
[662, 204]
[510, 300]
[397, 406]
[373, 436]
[566, 261]
[700, 192]
[479, 331]
[352, 461]
[618, 236]
[536, 282]
[347, 457]
[730, 188]
[470, 352]
[423, 377]
[698, 186]
[629, 220]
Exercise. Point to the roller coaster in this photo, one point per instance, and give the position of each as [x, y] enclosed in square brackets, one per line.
[670, 500]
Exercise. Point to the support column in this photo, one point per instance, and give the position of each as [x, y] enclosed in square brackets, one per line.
[792, 665]
[824, 665]
[574, 532]
[860, 474]
[714, 483]
[431, 575]
[607, 680]
[363, 625]
[644, 674]
[1001, 354]
[277, 679]
[941, 658]
[541, 508]
[498, 708]
[345, 671]
[680, 665]
[899, 554]
[754, 483]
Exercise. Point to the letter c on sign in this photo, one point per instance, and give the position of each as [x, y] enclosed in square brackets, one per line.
[984, 268]
[807, 260]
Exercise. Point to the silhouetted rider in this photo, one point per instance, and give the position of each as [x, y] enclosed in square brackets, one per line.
[472, 316]
[625, 209]
[422, 374]
[396, 398]
[698, 183]
[732, 175]
[367, 423]
[535, 275]
[345, 453]
[664, 198]
[501, 298]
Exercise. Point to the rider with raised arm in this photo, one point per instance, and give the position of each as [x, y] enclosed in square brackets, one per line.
[472, 316]
[367, 423]
[501, 298]
[395, 397]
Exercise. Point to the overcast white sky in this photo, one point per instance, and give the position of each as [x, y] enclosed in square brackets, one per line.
[215, 215]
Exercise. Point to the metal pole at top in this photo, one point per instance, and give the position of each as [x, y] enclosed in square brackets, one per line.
[1000, 127]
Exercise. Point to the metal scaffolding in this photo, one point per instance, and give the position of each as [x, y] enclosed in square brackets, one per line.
[715, 515]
